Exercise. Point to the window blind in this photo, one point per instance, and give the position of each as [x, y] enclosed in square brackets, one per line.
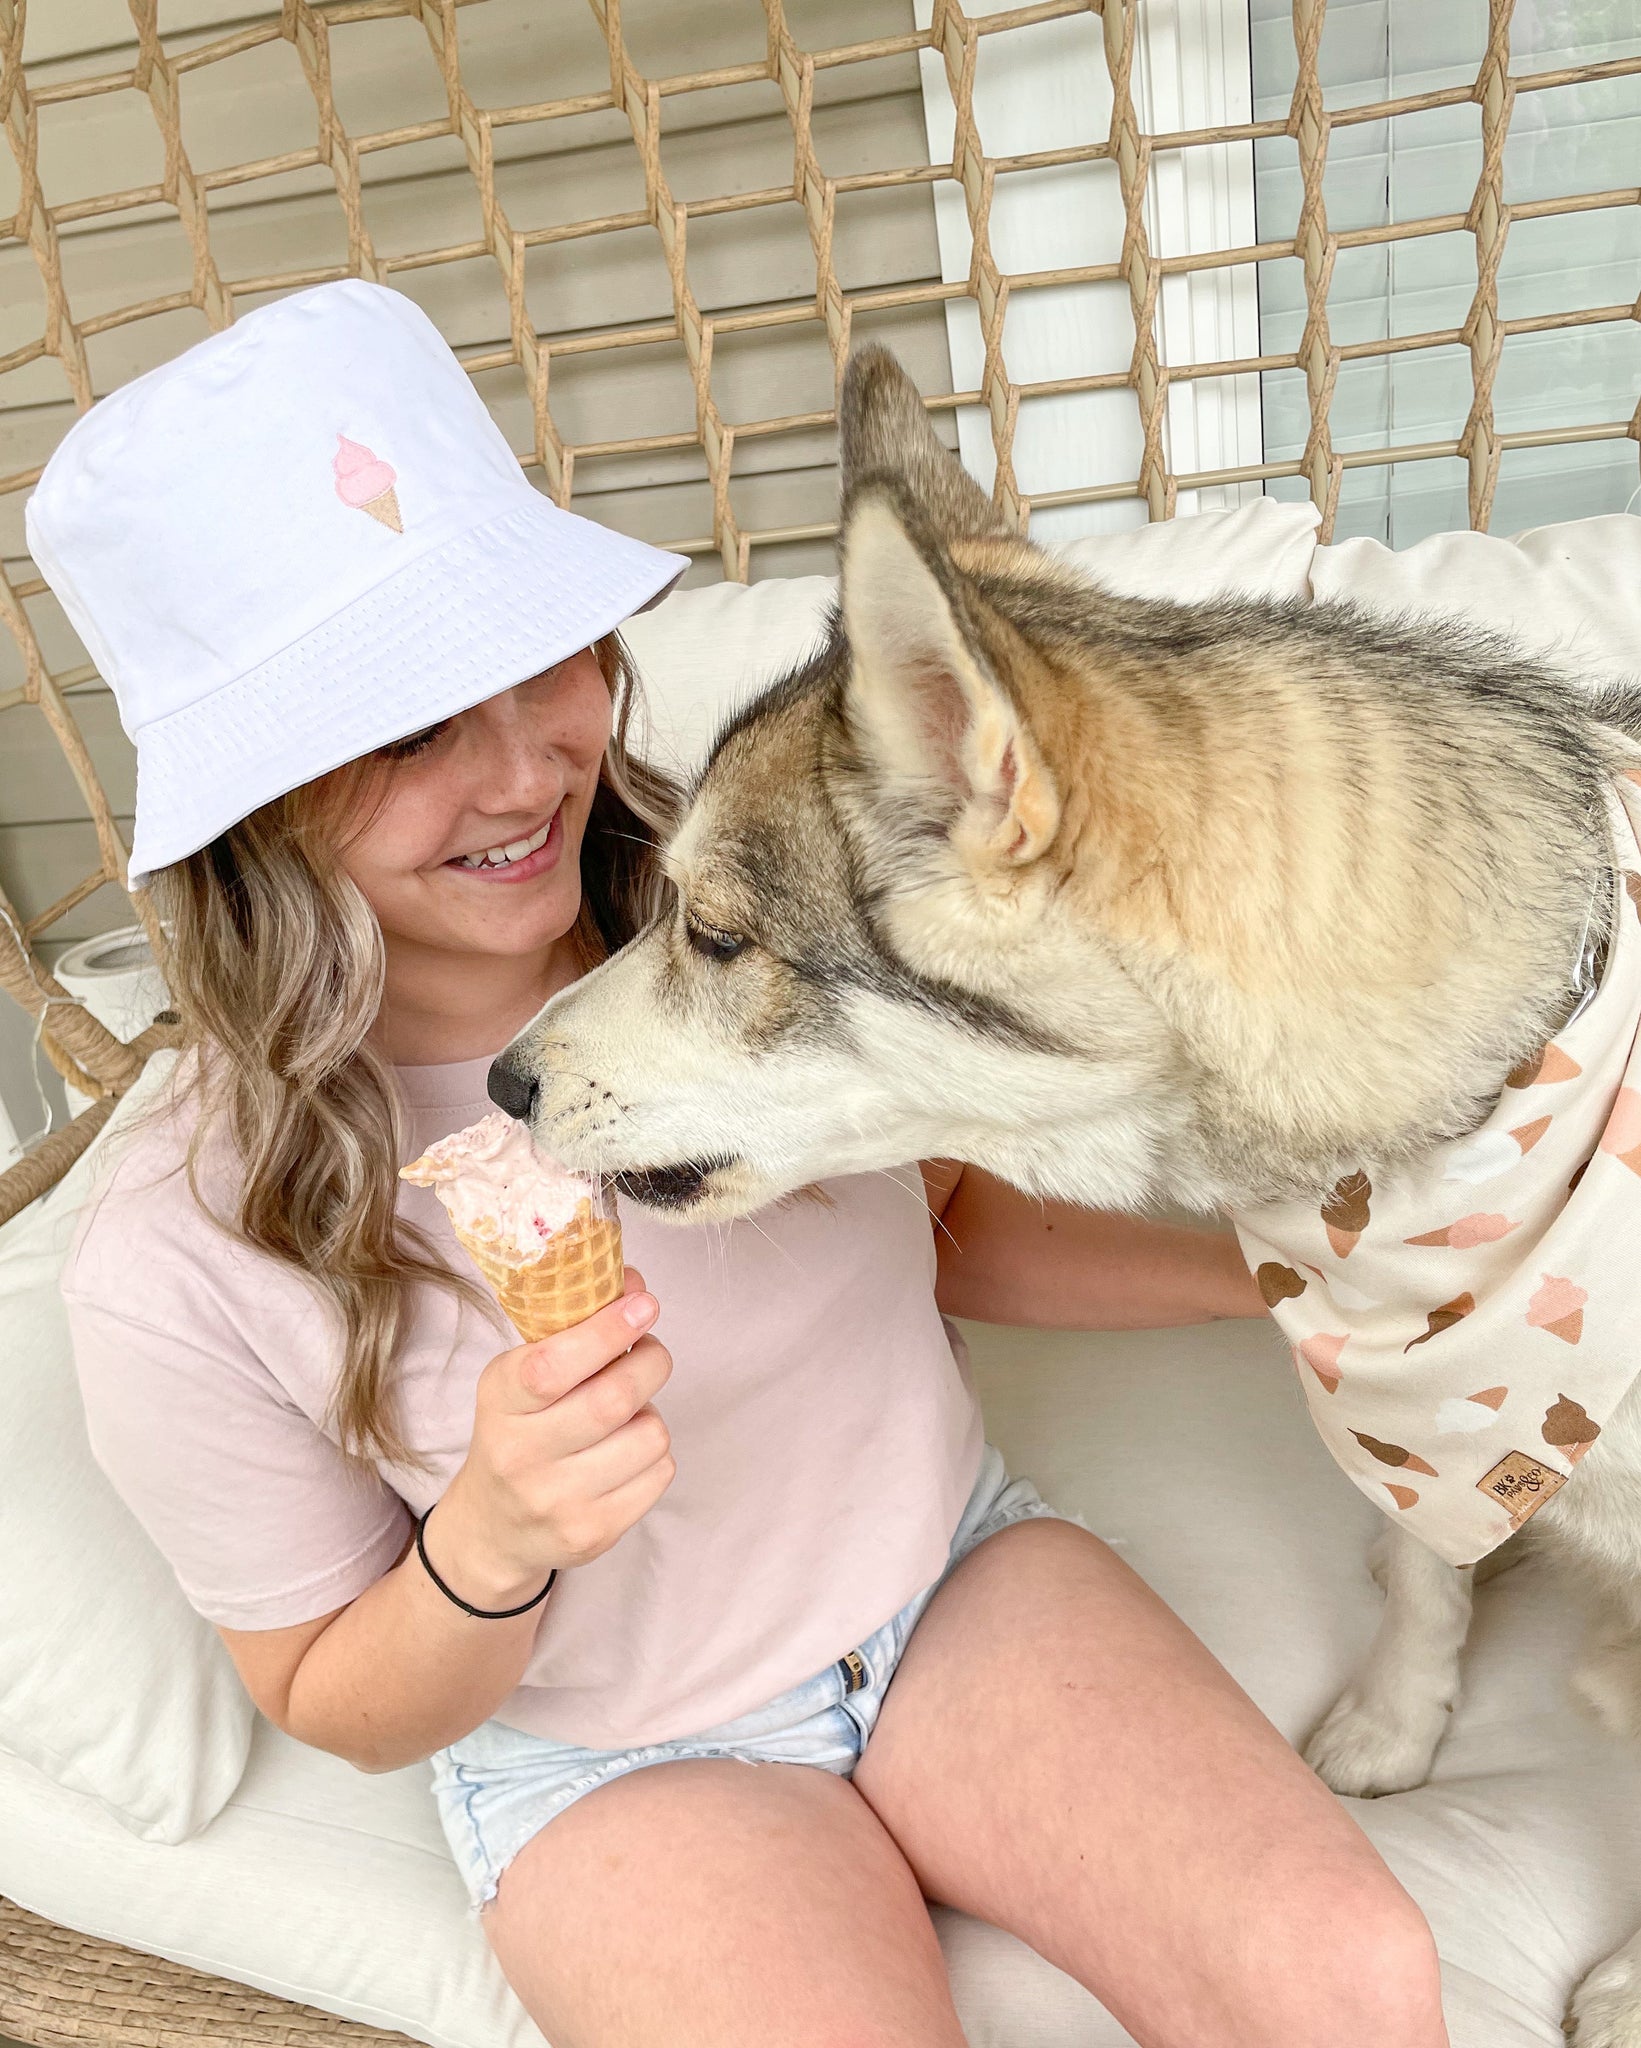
[1580, 137]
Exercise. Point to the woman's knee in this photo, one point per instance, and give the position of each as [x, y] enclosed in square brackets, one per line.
[1376, 1977]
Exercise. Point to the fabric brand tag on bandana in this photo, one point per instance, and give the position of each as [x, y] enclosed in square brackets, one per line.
[1465, 1326]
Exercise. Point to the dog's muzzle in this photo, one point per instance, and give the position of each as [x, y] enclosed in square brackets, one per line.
[668, 1187]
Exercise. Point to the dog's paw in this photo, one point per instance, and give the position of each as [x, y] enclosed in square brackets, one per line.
[1606, 2008]
[1366, 1746]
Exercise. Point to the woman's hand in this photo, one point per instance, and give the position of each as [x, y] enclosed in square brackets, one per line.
[567, 1454]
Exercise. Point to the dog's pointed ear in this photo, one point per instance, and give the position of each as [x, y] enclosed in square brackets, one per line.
[922, 702]
[884, 430]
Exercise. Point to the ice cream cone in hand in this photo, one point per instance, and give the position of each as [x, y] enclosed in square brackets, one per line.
[547, 1240]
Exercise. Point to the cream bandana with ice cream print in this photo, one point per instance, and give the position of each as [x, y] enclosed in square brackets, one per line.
[1464, 1327]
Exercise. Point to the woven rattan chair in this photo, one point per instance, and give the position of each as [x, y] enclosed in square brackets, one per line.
[58, 1986]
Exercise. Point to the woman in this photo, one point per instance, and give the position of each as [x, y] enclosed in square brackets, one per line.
[595, 1577]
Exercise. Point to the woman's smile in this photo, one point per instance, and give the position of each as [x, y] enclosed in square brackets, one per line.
[515, 860]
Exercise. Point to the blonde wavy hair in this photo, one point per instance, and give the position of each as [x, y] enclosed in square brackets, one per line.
[276, 967]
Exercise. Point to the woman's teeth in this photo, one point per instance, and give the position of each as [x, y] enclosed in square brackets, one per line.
[504, 856]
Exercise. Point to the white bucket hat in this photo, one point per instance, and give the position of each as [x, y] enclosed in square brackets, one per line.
[304, 537]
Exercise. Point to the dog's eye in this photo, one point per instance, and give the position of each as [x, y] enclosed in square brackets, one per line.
[712, 943]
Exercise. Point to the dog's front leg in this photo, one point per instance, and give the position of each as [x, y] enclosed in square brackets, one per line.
[1382, 1732]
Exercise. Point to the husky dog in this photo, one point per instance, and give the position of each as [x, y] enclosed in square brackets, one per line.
[1127, 902]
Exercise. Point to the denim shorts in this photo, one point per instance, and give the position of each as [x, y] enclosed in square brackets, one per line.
[499, 1786]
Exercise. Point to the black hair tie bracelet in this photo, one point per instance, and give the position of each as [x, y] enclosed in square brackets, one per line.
[478, 1613]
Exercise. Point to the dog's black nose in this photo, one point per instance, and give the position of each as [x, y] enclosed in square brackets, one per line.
[511, 1090]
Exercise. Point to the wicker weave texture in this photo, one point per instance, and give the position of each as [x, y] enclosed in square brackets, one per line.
[700, 334]
[59, 1989]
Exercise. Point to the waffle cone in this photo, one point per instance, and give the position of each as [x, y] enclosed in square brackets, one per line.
[579, 1272]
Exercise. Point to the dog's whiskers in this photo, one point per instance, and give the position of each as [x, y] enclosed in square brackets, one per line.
[920, 1195]
[784, 1250]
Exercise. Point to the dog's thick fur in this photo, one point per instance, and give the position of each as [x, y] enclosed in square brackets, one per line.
[1128, 902]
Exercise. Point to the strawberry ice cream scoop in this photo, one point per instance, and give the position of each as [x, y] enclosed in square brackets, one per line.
[497, 1186]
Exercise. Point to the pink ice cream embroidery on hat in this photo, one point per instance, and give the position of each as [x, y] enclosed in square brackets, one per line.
[365, 483]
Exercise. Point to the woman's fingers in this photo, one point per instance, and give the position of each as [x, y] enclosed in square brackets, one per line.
[631, 1502]
[594, 1496]
[567, 1449]
[607, 1466]
[534, 1376]
[606, 1402]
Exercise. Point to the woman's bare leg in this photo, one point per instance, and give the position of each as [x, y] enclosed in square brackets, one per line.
[721, 1905]
[1058, 1754]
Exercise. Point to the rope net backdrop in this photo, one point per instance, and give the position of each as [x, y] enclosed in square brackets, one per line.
[698, 336]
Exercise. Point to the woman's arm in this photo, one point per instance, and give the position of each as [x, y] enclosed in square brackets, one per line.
[1005, 1257]
[567, 1453]
[400, 1671]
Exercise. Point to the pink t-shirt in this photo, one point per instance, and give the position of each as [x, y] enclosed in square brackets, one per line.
[823, 1420]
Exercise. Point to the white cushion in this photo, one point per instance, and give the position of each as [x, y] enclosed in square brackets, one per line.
[705, 652]
[126, 1729]
[109, 1681]
[1261, 549]
[1571, 593]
